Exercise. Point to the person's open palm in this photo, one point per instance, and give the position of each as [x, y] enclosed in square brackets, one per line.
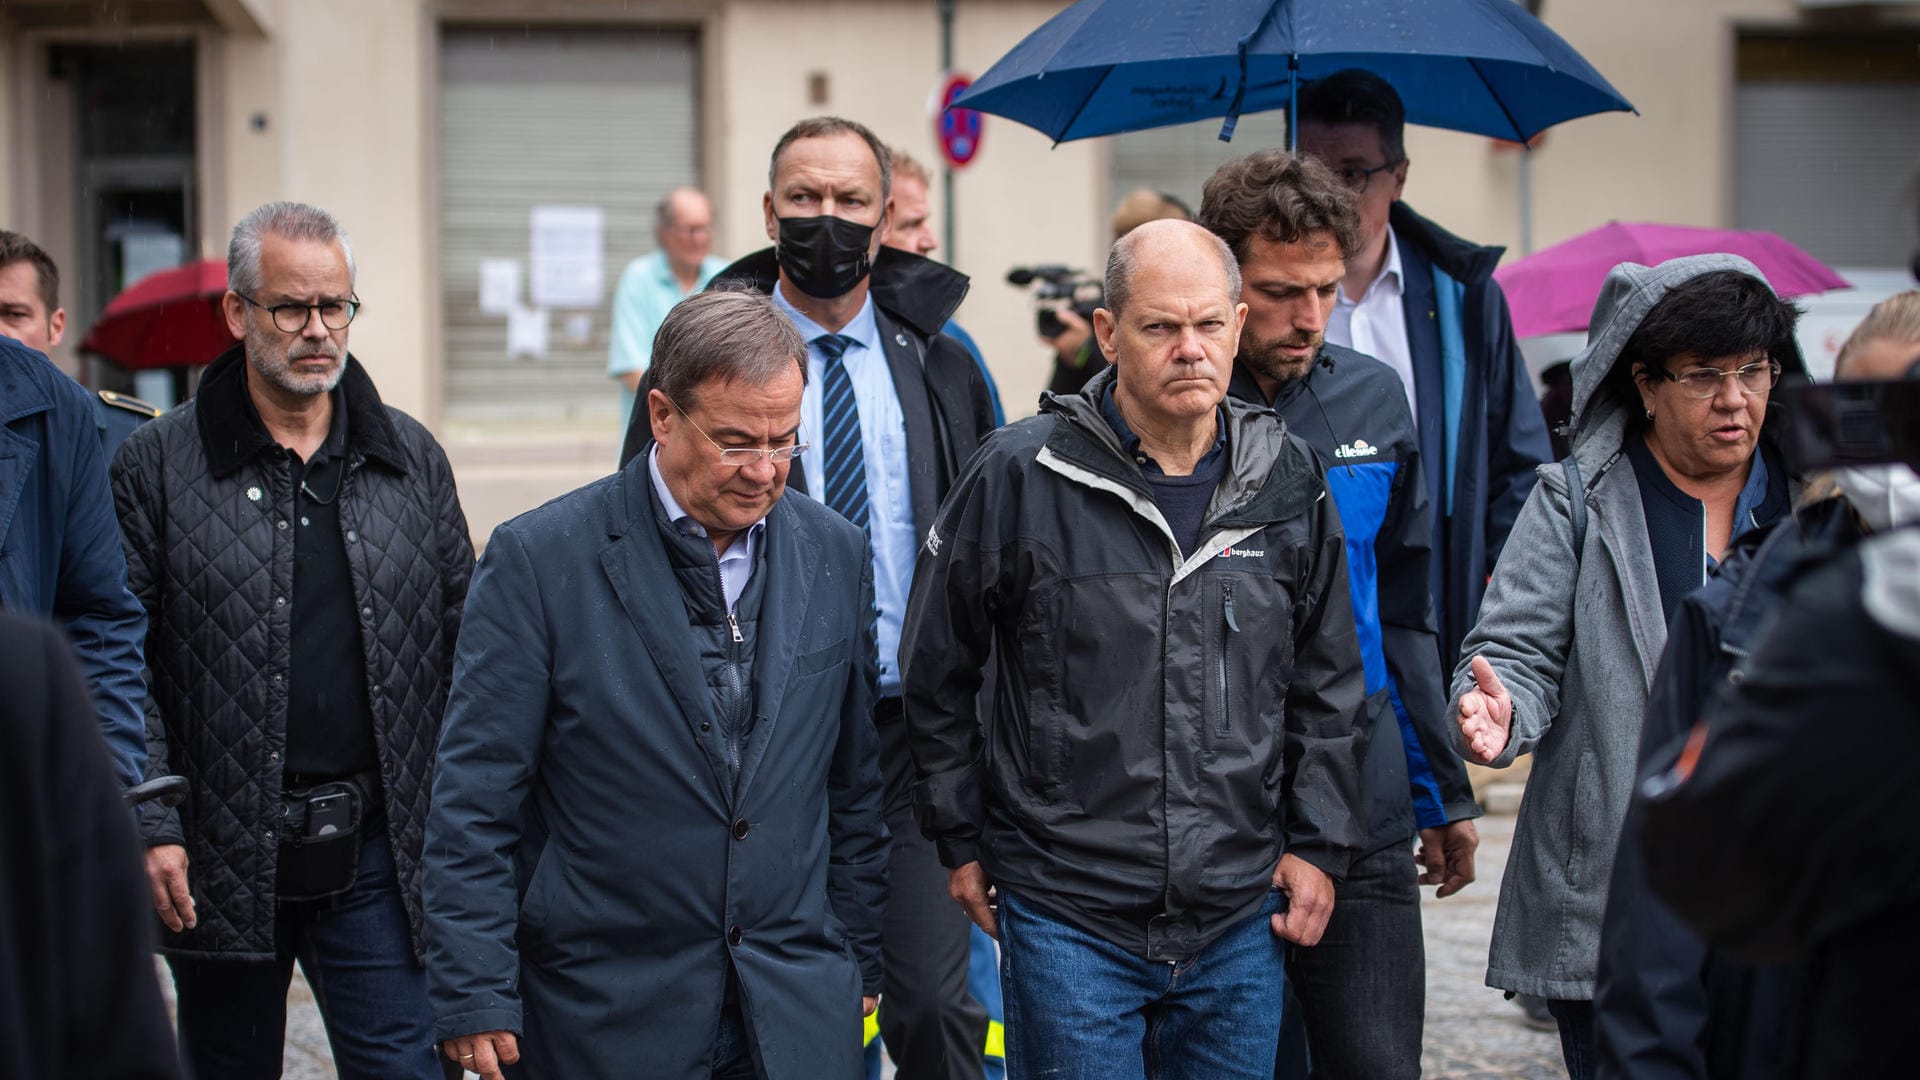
[1486, 714]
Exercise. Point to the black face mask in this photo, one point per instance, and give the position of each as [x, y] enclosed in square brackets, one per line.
[824, 256]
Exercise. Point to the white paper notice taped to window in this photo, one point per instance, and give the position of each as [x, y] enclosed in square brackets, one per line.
[526, 333]
[568, 264]
[499, 286]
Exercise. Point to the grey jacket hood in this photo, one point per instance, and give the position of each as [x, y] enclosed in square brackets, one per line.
[1629, 293]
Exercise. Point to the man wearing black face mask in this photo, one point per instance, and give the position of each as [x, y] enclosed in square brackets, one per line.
[893, 409]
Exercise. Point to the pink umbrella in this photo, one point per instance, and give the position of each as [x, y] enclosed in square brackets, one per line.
[1552, 290]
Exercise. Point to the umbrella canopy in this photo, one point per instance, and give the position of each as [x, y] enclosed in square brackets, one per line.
[170, 318]
[1552, 290]
[1107, 66]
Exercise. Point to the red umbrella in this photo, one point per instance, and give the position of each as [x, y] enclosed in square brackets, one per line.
[170, 318]
[1552, 290]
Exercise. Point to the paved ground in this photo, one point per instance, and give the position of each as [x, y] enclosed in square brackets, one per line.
[1471, 1031]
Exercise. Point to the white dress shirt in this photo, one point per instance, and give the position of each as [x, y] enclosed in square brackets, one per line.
[1376, 323]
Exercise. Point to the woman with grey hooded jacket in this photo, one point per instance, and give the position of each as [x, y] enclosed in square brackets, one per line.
[1672, 458]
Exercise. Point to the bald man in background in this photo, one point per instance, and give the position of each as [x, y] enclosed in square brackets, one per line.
[680, 265]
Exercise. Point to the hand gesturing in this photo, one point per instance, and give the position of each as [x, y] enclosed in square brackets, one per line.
[1486, 715]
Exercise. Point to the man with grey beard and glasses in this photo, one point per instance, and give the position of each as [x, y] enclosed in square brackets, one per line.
[302, 557]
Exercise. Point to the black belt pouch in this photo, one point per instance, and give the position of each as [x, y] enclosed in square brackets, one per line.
[321, 830]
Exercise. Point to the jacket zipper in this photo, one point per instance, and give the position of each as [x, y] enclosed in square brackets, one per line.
[1220, 659]
[734, 689]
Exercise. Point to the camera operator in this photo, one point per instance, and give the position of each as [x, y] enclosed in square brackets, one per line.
[1075, 356]
[1779, 826]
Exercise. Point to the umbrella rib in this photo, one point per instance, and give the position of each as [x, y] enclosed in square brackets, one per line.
[1074, 116]
[1519, 136]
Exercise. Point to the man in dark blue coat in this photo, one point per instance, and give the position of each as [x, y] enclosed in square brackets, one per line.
[656, 844]
[60, 552]
[1424, 302]
[1291, 224]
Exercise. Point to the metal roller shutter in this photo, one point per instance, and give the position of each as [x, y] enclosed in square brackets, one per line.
[1178, 160]
[603, 118]
[1830, 166]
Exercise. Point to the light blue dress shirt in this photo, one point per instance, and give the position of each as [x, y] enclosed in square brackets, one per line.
[736, 566]
[647, 291]
[883, 439]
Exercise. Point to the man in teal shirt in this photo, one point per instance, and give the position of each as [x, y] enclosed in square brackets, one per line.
[681, 264]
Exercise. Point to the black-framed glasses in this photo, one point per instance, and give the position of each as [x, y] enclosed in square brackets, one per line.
[293, 318]
[1358, 178]
[740, 456]
[1704, 382]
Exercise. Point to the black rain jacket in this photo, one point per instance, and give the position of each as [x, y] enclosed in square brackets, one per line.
[1665, 1003]
[1784, 829]
[1164, 726]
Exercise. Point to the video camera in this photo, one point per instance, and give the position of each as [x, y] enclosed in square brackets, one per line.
[1060, 287]
[1838, 424]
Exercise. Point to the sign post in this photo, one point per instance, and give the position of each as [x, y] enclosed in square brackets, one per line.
[958, 132]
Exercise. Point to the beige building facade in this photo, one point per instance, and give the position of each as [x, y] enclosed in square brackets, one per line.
[456, 137]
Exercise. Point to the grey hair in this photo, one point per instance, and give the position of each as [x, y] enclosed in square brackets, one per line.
[288, 220]
[726, 334]
[1120, 268]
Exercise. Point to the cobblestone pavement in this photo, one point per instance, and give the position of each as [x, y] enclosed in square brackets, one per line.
[1472, 1033]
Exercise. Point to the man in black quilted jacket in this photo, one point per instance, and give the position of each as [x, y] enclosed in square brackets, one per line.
[302, 557]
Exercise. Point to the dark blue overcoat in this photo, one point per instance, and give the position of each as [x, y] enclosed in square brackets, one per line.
[591, 868]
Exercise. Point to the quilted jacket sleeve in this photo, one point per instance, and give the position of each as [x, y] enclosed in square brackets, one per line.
[136, 486]
[455, 547]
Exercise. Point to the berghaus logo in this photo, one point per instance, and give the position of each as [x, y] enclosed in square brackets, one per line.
[1243, 553]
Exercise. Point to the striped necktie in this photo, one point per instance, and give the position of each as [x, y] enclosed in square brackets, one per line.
[845, 465]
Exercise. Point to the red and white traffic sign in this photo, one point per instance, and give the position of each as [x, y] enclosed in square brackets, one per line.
[958, 130]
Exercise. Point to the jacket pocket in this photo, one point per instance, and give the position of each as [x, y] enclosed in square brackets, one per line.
[812, 663]
[1222, 671]
[537, 904]
[1584, 811]
[1043, 664]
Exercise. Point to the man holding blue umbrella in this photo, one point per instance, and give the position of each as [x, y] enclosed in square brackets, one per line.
[1424, 302]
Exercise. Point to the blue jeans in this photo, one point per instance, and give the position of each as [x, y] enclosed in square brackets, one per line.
[359, 963]
[733, 1047]
[1081, 1008]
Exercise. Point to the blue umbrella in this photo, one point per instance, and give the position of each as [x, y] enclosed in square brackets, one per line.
[1107, 66]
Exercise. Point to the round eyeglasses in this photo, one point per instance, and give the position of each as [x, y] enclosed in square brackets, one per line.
[1357, 178]
[293, 318]
[1704, 382]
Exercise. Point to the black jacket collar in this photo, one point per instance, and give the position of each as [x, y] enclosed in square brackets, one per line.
[1463, 260]
[916, 290]
[1276, 477]
[233, 434]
